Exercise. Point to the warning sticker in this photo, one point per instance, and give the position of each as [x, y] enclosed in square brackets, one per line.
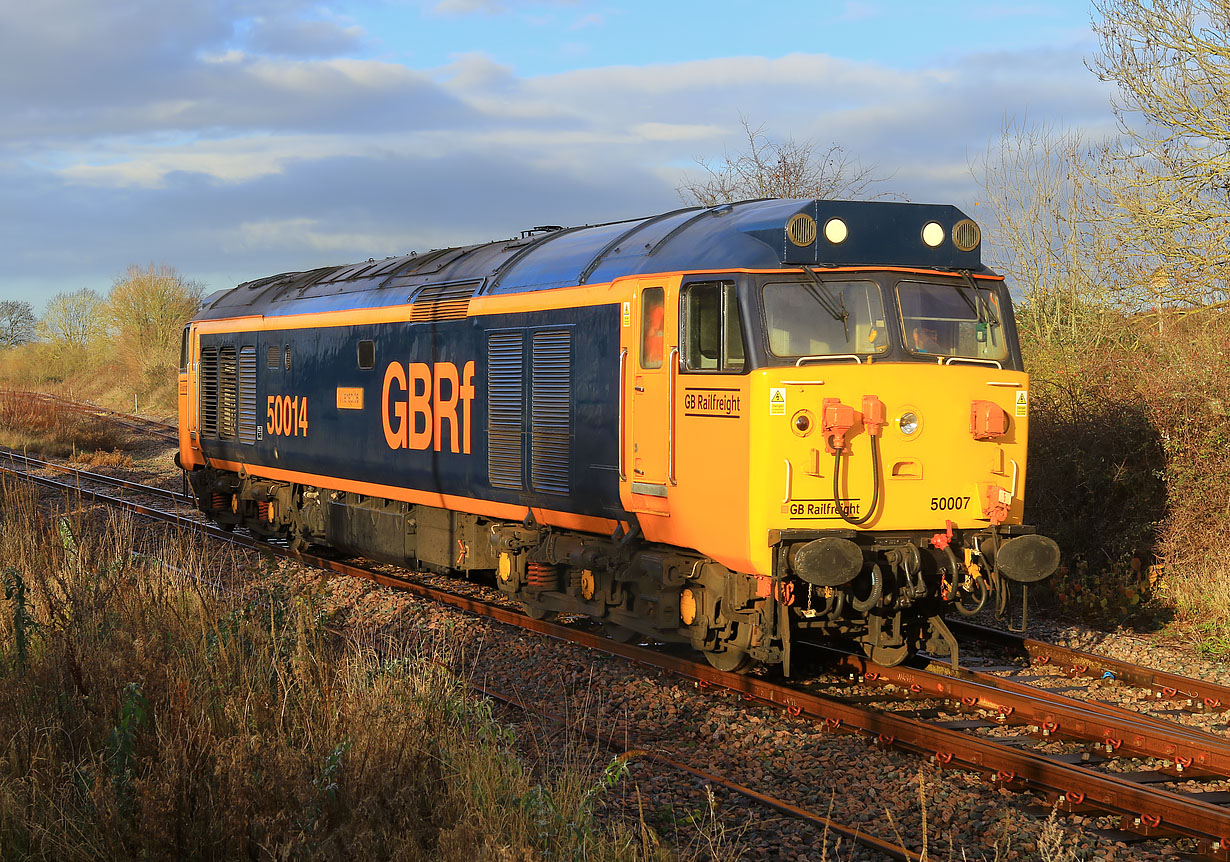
[1022, 403]
[777, 402]
[627, 315]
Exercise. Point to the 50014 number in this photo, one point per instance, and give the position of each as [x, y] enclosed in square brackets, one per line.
[948, 504]
[287, 415]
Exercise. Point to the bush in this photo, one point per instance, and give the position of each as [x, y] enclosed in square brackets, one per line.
[42, 426]
[1128, 445]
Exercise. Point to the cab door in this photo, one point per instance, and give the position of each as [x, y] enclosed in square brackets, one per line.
[189, 399]
[650, 347]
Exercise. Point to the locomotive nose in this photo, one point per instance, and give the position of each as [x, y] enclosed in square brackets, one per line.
[1027, 559]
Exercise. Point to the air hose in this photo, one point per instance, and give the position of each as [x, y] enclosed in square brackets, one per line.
[875, 484]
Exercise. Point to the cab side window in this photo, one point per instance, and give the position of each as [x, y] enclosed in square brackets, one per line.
[653, 327]
[713, 330]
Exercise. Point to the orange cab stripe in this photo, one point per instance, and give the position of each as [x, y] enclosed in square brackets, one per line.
[486, 508]
[538, 300]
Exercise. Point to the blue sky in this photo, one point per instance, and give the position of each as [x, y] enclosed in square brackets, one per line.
[236, 138]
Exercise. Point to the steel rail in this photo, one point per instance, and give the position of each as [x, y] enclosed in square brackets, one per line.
[1119, 730]
[643, 752]
[114, 481]
[1154, 811]
[1209, 695]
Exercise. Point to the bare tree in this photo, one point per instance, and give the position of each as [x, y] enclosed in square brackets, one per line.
[17, 322]
[147, 309]
[1166, 188]
[769, 169]
[73, 319]
[1046, 231]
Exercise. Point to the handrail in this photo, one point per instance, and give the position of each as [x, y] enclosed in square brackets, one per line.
[670, 413]
[973, 361]
[827, 357]
[623, 385]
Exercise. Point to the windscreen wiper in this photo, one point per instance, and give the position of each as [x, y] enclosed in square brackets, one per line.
[983, 309]
[835, 306]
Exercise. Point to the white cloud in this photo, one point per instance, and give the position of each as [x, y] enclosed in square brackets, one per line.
[187, 138]
[302, 235]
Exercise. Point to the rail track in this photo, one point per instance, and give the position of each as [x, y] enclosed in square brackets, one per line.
[81, 480]
[1001, 727]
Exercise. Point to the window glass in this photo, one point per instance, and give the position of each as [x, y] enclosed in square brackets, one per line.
[653, 326]
[830, 318]
[183, 351]
[367, 355]
[733, 343]
[713, 331]
[952, 320]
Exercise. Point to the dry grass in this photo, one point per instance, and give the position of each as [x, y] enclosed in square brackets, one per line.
[37, 425]
[114, 458]
[146, 716]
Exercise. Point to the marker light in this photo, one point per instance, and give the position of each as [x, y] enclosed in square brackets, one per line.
[835, 231]
[908, 423]
[933, 233]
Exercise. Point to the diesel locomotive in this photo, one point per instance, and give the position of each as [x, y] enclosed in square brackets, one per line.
[728, 426]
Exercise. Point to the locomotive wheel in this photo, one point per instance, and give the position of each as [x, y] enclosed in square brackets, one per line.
[730, 660]
[889, 656]
[620, 634]
[536, 613]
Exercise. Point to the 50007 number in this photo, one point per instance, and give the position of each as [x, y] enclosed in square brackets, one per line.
[287, 415]
[948, 504]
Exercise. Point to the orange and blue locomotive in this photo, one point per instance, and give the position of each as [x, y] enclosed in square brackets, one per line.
[723, 426]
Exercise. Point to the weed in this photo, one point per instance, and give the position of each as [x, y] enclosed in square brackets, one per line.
[23, 623]
[122, 744]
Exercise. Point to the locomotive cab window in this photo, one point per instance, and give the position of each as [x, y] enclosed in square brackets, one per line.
[952, 319]
[713, 330]
[824, 317]
[367, 355]
[183, 350]
[653, 326]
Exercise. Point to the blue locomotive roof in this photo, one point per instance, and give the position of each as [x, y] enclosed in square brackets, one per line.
[763, 234]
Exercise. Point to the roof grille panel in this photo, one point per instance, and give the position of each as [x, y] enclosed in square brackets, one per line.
[443, 302]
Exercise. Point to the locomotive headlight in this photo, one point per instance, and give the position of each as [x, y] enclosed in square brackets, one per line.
[933, 233]
[908, 423]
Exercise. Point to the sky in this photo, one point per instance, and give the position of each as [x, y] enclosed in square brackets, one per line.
[233, 139]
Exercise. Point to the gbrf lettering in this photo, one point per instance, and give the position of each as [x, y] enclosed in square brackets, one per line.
[419, 400]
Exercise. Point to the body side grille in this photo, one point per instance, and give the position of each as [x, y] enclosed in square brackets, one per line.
[505, 409]
[226, 393]
[209, 392]
[247, 395]
[551, 411]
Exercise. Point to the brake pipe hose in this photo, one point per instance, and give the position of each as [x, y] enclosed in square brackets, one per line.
[875, 484]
